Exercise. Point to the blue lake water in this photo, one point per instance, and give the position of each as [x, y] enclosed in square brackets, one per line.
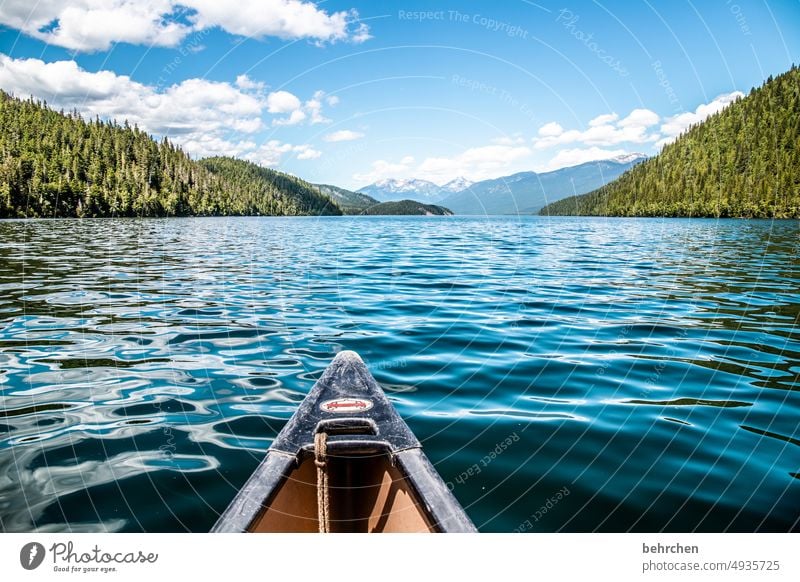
[563, 374]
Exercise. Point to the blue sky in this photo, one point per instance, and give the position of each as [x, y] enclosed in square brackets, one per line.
[349, 92]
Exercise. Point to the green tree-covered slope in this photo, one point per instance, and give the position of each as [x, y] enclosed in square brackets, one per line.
[741, 162]
[350, 202]
[54, 164]
[276, 192]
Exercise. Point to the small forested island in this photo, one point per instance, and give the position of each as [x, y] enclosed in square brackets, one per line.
[741, 162]
[55, 164]
[407, 207]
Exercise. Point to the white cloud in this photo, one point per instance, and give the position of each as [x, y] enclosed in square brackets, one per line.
[306, 152]
[361, 33]
[508, 140]
[314, 109]
[332, 100]
[477, 163]
[381, 169]
[272, 152]
[247, 84]
[603, 119]
[677, 124]
[194, 105]
[343, 135]
[282, 102]
[280, 18]
[205, 117]
[285, 102]
[551, 129]
[640, 118]
[295, 117]
[205, 145]
[573, 157]
[603, 130]
[90, 25]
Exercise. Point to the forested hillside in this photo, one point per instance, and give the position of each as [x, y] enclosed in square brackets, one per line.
[57, 164]
[350, 202]
[741, 162]
[277, 193]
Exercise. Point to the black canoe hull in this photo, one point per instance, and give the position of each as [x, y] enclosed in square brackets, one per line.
[381, 481]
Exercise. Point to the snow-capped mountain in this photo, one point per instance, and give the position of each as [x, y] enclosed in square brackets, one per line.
[401, 189]
[423, 190]
[457, 185]
[627, 158]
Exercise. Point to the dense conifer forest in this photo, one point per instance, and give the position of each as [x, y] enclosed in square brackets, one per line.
[56, 164]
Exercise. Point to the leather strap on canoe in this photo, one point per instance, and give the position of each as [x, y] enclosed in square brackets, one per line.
[323, 496]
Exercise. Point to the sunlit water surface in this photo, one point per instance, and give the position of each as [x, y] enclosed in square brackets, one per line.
[562, 374]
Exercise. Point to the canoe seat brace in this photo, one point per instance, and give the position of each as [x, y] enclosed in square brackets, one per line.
[323, 495]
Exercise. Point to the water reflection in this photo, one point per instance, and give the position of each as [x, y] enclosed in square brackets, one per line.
[647, 365]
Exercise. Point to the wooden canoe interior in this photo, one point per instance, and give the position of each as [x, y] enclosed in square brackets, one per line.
[367, 494]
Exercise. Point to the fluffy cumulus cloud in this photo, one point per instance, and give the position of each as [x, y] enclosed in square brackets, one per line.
[204, 145]
[282, 102]
[477, 163]
[90, 25]
[603, 130]
[636, 118]
[509, 140]
[382, 169]
[96, 24]
[313, 108]
[343, 135]
[677, 124]
[296, 111]
[280, 18]
[602, 120]
[574, 156]
[272, 152]
[246, 83]
[551, 129]
[204, 117]
[192, 106]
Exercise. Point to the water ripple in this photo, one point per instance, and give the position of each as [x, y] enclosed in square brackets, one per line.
[650, 366]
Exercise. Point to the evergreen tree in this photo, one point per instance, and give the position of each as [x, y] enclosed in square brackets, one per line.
[55, 164]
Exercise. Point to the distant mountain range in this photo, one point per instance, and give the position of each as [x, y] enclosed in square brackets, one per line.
[529, 192]
[396, 189]
[525, 192]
